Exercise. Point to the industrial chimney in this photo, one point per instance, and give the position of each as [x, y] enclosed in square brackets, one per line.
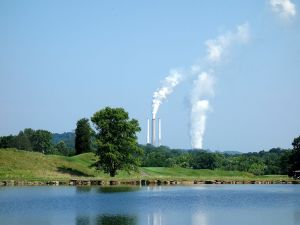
[153, 132]
[148, 131]
[159, 132]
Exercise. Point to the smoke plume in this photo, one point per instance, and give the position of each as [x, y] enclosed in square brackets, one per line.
[167, 88]
[203, 86]
[198, 117]
[216, 48]
[285, 8]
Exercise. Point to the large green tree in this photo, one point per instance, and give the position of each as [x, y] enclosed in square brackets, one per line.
[116, 140]
[295, 156]
[83, 135]
[41, 141]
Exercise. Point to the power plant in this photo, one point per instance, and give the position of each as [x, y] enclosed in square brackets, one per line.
[153, 132]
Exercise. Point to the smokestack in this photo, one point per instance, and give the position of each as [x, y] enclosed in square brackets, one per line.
[148, 131]
[159, 132]
[153, 132]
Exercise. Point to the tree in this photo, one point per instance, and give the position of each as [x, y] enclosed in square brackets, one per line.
[257, 168]
[83, 134]
[23, 142]
[41, 141]
[7, 141]
[203, 160]
[116, 140]
[60, 149]
[295, 156]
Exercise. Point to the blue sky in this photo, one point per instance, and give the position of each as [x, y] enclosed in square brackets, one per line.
[64, 60]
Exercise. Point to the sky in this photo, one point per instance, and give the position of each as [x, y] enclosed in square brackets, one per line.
[61, 61]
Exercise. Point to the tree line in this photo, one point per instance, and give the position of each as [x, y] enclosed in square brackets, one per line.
[35, 140]
[114, 140]
[274, 161]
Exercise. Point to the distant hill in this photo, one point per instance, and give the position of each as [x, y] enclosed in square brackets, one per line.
[67, 137]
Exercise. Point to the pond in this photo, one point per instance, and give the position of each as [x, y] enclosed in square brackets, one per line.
[159, 205]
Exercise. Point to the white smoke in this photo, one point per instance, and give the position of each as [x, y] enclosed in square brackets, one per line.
[285, 8]
[216, 48]
[167, 88]
[198, 118]
[203, 86]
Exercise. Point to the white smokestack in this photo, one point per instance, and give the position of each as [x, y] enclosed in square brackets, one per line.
[148, 131]
[159, 132]
[153, 132]
[161, 94]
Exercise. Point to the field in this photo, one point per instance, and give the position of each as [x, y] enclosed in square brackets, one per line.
[33, 166]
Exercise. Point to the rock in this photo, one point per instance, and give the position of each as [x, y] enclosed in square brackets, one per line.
[113, 182]
[208, 182]
[172, 182]
[9, 183]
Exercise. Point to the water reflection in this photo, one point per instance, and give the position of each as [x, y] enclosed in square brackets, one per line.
[154, 219]
[199, 218]
[83, 188]
[107, 220]
[83, 220]
[222, 205]
[114, 189]
[297, 217]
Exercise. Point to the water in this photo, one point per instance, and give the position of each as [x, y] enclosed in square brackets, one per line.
[162, 205]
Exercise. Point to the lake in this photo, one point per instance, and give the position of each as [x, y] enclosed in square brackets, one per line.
[159, 205]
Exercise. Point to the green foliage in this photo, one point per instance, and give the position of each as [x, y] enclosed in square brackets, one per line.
[23, 142]
[7, 141]
[83, 135]
[117, 140]
[67, 137]
[257, 168]
[62, 149]
[25, 165]
[275, 161]
[294, 158]
[41, 141]
[203, 160]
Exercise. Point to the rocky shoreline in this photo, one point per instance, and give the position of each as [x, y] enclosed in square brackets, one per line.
[144, 182]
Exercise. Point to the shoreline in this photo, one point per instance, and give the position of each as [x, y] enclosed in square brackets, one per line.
[137, 182]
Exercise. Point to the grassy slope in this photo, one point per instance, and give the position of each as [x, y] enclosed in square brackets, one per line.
[23, 165]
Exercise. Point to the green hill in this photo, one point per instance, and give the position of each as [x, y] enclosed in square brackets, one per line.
[32, 166]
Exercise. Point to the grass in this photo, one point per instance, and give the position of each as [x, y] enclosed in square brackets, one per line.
[33, 166]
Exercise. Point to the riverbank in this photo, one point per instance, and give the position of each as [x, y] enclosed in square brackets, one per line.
[137, 182]
[31, 168]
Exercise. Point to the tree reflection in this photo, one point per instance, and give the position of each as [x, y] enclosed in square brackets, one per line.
[116, 219]
[113, 189]
[107, 220]
[82, 220]
[83, 188]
